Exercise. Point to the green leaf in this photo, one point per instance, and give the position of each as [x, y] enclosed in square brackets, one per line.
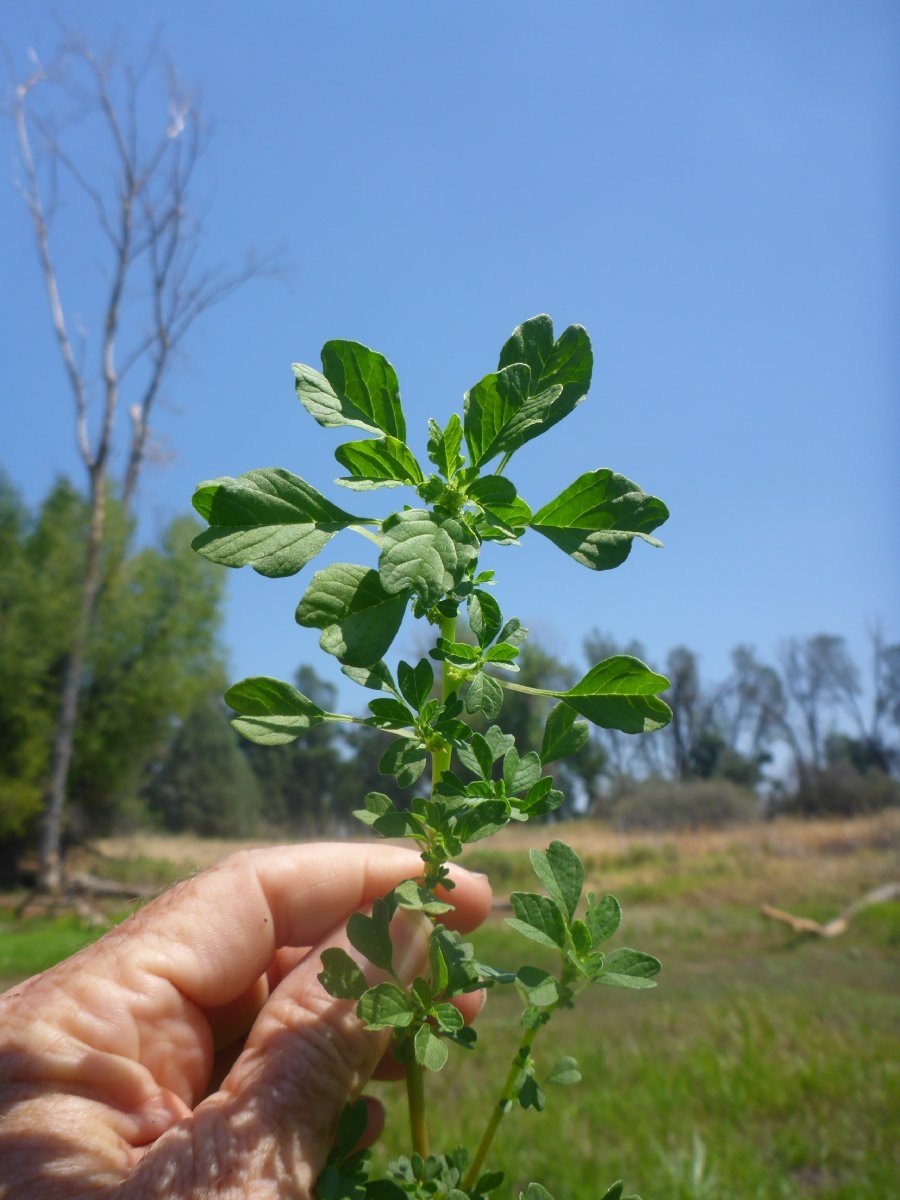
[614, 1192]
[412, 895]
[564, 1072]
[377, 677]
[498, 744]
[400, 824]
[371, 936]
[405, 759]
[620, 693]
[459, 963]
[271, 712]
[513, 632]
[503, 655]
[351, 1126]
[341, 977]
[377, 804]
[561, 872]
[565, 364]
[444, 446]
[563, 734]
[386, 1007]
[485, 618]
[520, 775]
[477, 756]
[539, 986]
[425, 554]
[629, 968]
[482, 821]
[488, 1182]
[460, 654]
[534, 1191]
[484, 697]
[415, 682]
[596, 519]
[542, 798]
[531, 1094]
[390, 713]
[448, 1017]
[538, 918]
[382, 462]
[431, 1051]
[358, 618]
[497, 498]
[603, 917]
[269, 519]
[439, 967]
[488, 409]
[359, 388]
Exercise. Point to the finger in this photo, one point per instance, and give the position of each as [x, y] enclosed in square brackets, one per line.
[231, 1021]
[151, 990]
[471, 899]
[213, 936]
[306, 1056]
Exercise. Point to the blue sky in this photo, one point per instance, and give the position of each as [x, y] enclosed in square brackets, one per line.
[710, 188]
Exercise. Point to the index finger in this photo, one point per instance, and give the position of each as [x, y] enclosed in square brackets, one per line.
[214, 935]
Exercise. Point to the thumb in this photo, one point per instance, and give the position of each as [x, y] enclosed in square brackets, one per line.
[306, 1056]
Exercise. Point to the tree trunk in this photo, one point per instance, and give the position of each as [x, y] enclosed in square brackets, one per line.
[51, 864]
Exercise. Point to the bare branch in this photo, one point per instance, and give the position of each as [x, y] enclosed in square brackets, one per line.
[32, 195]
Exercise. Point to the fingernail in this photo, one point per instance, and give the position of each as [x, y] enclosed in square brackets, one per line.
[410, 932]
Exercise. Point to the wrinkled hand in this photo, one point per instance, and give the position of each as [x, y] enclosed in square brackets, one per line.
[192, 1052]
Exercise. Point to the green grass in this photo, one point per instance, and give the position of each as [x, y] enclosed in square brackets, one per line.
[33, 945]
[763, 1066]
[149, 872]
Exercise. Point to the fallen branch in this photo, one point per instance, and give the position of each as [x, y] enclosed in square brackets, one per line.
[837, 925]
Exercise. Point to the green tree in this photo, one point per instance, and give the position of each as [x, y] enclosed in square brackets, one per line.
[206, 785]
[307, 786]
[42, 561]
[153, 655]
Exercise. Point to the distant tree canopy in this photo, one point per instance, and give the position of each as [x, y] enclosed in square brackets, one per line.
[830, 743]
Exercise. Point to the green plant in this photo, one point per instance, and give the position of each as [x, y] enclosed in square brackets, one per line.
[428, 563]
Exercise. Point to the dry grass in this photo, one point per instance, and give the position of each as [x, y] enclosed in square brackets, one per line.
[783, 862]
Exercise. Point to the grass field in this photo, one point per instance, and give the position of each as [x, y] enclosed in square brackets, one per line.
[765, 1065]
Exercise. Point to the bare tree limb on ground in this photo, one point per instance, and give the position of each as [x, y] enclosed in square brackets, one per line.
[837, 925]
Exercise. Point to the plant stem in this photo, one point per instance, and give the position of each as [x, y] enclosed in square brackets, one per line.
[503, 1105]
[522, 687]
[415, 1096]
[415, 1074]
[440, 759]
[365, 533]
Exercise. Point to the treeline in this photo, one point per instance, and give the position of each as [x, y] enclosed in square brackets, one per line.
[810, 732]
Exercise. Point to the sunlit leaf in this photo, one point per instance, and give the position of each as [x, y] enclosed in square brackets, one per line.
[271, 712]
[270, 520]
[358, 618]
[378, 462]
[596, 519]
[358, 387]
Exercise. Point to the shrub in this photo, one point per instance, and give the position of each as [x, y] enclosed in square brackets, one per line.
[697, 804]
[842, 790]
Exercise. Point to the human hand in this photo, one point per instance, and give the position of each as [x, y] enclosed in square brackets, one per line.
[110, 1062]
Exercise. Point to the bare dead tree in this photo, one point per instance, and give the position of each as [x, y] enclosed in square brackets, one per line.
[140, 200]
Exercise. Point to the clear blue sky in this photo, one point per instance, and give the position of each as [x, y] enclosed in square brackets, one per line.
[710, 188]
